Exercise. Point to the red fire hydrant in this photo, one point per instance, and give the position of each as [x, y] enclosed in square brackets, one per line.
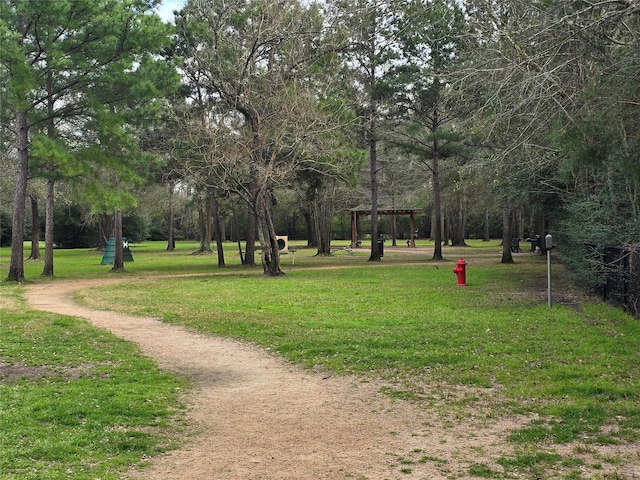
[461, 272]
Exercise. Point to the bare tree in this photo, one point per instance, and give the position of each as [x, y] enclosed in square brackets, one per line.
[558, 83]
[264, 117]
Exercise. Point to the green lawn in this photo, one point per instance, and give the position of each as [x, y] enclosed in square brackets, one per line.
[74, 399]
[404, 319]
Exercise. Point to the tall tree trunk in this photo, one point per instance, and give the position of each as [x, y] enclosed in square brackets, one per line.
[437, 209]
[446, 229]
[373, 170]
[373, 136]
[323, 216]
[506, 235]
[394, 224]
[311, 237]
[208, 224]
[16, 265]
[171, 244]
[234, 224]
[267, 233]
[217, 229]
[205, 226]
[324, 234]
[201, 229]
[35, 228]
[250, 242]
[320, 215]
[47, 270]
[118, 261]
[457, 225]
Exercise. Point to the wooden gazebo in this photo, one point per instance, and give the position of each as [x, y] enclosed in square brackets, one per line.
[356, 212]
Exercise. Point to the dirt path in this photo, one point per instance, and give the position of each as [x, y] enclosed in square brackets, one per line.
[255, 416]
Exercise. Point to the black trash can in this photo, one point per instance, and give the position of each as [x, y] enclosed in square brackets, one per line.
[381, 247]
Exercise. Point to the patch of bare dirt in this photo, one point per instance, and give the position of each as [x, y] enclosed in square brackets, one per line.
[10, 372]
[254, 416]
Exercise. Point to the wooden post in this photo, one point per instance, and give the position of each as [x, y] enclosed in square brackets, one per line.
[354, 228]
[413, 229]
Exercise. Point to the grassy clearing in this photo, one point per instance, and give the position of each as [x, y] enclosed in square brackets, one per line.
[76, 402]
[406, 321]
[412, 321]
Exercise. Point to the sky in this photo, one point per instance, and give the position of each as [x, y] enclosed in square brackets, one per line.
[166, 8]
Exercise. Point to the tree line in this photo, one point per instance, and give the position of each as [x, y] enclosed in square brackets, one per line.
[528, 109]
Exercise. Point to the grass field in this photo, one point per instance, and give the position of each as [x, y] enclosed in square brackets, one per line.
[77, 402]
[575, 366]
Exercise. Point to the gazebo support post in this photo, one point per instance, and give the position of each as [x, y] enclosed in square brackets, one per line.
[413, 230]
[354, 229]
